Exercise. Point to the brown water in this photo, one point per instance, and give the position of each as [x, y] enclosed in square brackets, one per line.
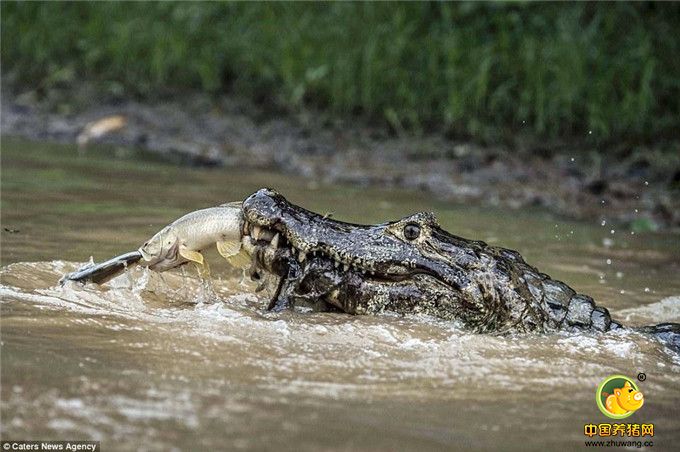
[152, 362]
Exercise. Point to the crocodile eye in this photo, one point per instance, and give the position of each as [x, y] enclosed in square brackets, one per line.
[411, 231]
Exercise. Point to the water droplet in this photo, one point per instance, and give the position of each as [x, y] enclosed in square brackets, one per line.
[619, 275]
[636, 211]
[646, 183]
[590, 132]
[622, 291]
[612, 231]
[604, 222]
[607, 242]
[572, 159]
[632, 232]
[646, 289]
[609, 261]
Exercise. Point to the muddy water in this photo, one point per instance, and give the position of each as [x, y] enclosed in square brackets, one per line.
[156, 362]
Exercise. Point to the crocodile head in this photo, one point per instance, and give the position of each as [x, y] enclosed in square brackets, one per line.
[409, 265]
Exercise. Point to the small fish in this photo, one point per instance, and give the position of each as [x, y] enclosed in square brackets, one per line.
[184, 239]
[101, 273]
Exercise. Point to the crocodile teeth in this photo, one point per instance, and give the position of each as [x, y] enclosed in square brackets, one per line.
[275, 241]
[336, 264]
[345, 267]
[256, 232]
[302, 256]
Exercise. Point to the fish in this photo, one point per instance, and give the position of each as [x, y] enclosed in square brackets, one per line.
[183, 240]
[178, 243]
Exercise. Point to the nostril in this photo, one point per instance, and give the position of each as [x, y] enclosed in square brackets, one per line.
[638, 396]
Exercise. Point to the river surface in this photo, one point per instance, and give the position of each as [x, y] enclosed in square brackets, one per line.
[159, 362]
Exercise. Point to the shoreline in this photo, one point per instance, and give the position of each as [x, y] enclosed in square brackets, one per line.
[627, 189]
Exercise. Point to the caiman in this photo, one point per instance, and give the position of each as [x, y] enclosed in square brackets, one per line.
[407, 266]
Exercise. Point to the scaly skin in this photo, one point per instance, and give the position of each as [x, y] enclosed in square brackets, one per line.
[405, 266]
[370, 269]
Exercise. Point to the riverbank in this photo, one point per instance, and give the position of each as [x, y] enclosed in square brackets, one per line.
[634, 187]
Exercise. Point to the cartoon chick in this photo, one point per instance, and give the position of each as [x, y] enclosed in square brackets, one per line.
[624, 400]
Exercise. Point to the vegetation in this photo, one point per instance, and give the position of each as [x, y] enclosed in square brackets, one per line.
[480, 70]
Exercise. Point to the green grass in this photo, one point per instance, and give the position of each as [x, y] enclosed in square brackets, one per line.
[486, 71]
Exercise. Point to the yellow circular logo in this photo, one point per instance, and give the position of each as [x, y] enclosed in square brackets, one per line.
[618, 397]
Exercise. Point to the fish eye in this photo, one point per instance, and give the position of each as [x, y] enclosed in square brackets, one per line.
[630, 390]
[411, 231]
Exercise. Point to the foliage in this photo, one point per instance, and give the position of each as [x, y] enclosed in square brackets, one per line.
[485, 70]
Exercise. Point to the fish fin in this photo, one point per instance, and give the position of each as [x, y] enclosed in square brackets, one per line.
[233, 253]
[228, 248]
[240, 260]
[232, 204]
[193, 256]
